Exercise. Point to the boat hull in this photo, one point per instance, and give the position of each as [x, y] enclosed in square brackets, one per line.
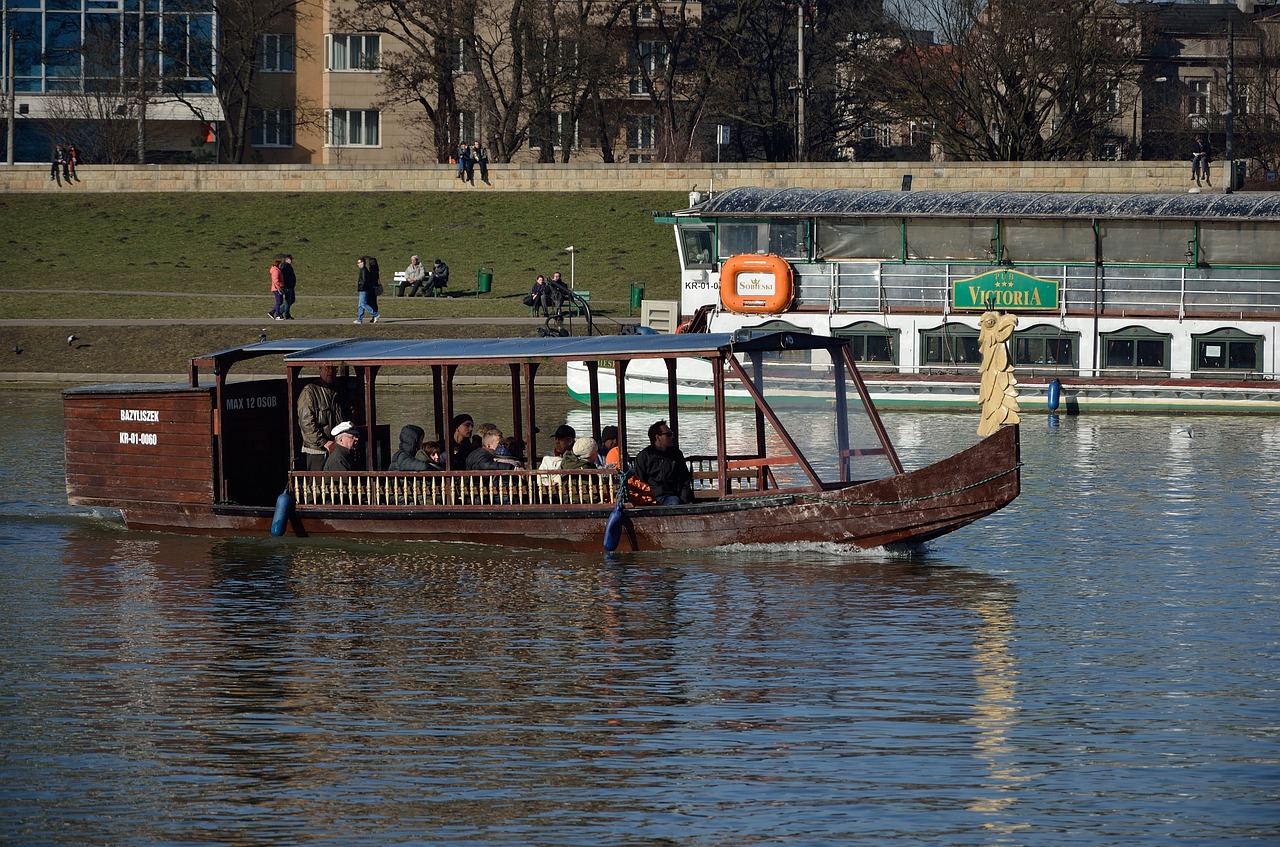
[904, 509]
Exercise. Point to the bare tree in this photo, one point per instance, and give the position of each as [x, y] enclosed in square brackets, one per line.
[248, 29]
[1008, 80]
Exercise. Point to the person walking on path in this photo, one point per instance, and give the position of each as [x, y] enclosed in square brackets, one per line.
[291, 282]
[1201, 156]
[277, 289]
[367, 289]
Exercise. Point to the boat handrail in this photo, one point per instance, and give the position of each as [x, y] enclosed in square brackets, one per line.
[397, 489]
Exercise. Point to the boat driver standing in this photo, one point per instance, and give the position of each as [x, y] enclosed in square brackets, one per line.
[663, 468]
[319, 411]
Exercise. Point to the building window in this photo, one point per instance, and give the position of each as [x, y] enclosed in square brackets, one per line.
[952, 345]
[1046, 346]
[648, 59]
[461, 60]
[870, 343]
[1135, 348]
[1200, 98]
[1226, 350]
[275, 53]
[353, 128]
[355, 52]
[466, 127]
[271, 128]
[641, 132]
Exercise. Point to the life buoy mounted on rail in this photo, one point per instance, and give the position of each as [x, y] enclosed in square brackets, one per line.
[756, 284]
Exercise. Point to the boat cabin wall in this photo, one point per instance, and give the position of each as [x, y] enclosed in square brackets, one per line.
[143, 446]
[255, 441]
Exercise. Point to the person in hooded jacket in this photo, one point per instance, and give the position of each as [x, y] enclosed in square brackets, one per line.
[406, 457]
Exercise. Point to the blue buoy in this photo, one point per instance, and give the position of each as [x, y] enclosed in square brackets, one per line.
[613, 529]
[284, 506]
[1055, 394]
[1053, 421]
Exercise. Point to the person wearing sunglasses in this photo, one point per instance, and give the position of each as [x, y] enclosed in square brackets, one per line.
[663, 468]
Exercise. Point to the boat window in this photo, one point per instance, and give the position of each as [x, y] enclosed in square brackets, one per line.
[1135, 348]
[937, 238]
[870, 238]
[786, 238]
[695, 242]
[1146, 242]
[950, 346]
[1226, 350]
[1046, 346]
[1239, 243]
[1047, 240]
[870, 343]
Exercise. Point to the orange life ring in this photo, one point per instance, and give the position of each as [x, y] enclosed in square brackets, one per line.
[684, 327]
[756, 284]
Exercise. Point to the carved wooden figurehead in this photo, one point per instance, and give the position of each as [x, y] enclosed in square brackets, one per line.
[998, 394]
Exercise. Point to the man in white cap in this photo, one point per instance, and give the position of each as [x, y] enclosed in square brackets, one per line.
[414, 276]
[344, 456]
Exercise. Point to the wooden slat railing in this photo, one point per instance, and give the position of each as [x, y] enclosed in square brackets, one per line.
[391, 489]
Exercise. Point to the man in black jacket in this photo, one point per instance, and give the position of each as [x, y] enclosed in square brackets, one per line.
[663, 468]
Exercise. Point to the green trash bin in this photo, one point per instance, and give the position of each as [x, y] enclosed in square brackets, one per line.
[484, 280]
[637, 294]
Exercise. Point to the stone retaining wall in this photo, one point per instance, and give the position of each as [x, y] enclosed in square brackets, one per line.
[950, 176]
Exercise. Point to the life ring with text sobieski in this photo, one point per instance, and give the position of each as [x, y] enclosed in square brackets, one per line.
[756, 284]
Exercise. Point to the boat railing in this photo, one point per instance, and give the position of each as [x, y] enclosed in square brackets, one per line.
[745, 474]
[394, 489]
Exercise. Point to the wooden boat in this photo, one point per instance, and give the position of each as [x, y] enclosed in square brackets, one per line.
[811, 465]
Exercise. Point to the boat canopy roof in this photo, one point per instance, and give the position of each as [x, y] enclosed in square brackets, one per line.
[384, 351]
[835, 203]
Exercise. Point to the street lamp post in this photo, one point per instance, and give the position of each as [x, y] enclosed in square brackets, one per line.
[9, 94]
[571, 251]
[1229, 158]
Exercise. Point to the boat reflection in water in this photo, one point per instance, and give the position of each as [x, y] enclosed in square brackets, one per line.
[455, 687]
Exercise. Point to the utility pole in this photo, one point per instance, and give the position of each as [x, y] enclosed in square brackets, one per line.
[12, 42]
[801, 153]
[142, 84]
[1229, 157]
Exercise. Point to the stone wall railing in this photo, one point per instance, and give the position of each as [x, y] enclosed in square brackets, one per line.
[1138, 177]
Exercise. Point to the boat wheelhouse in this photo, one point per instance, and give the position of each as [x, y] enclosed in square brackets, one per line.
[809, 460]
[1131, 302]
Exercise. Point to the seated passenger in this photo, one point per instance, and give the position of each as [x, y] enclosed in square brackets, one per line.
[582, 457]
[461, 442]
[406, 457]
[511, 451]
[344, 456]
[662, 467]
[430, 453]
[610, 455]
[485, 457]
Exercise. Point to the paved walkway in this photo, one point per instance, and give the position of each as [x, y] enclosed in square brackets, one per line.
[35, 377]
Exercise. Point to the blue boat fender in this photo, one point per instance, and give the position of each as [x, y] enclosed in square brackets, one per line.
[613, 529]
[1055, 394]
[284, 508]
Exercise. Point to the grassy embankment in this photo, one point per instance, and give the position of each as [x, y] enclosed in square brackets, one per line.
[202, 259]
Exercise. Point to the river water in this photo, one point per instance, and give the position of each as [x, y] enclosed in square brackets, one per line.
[1096, 665]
